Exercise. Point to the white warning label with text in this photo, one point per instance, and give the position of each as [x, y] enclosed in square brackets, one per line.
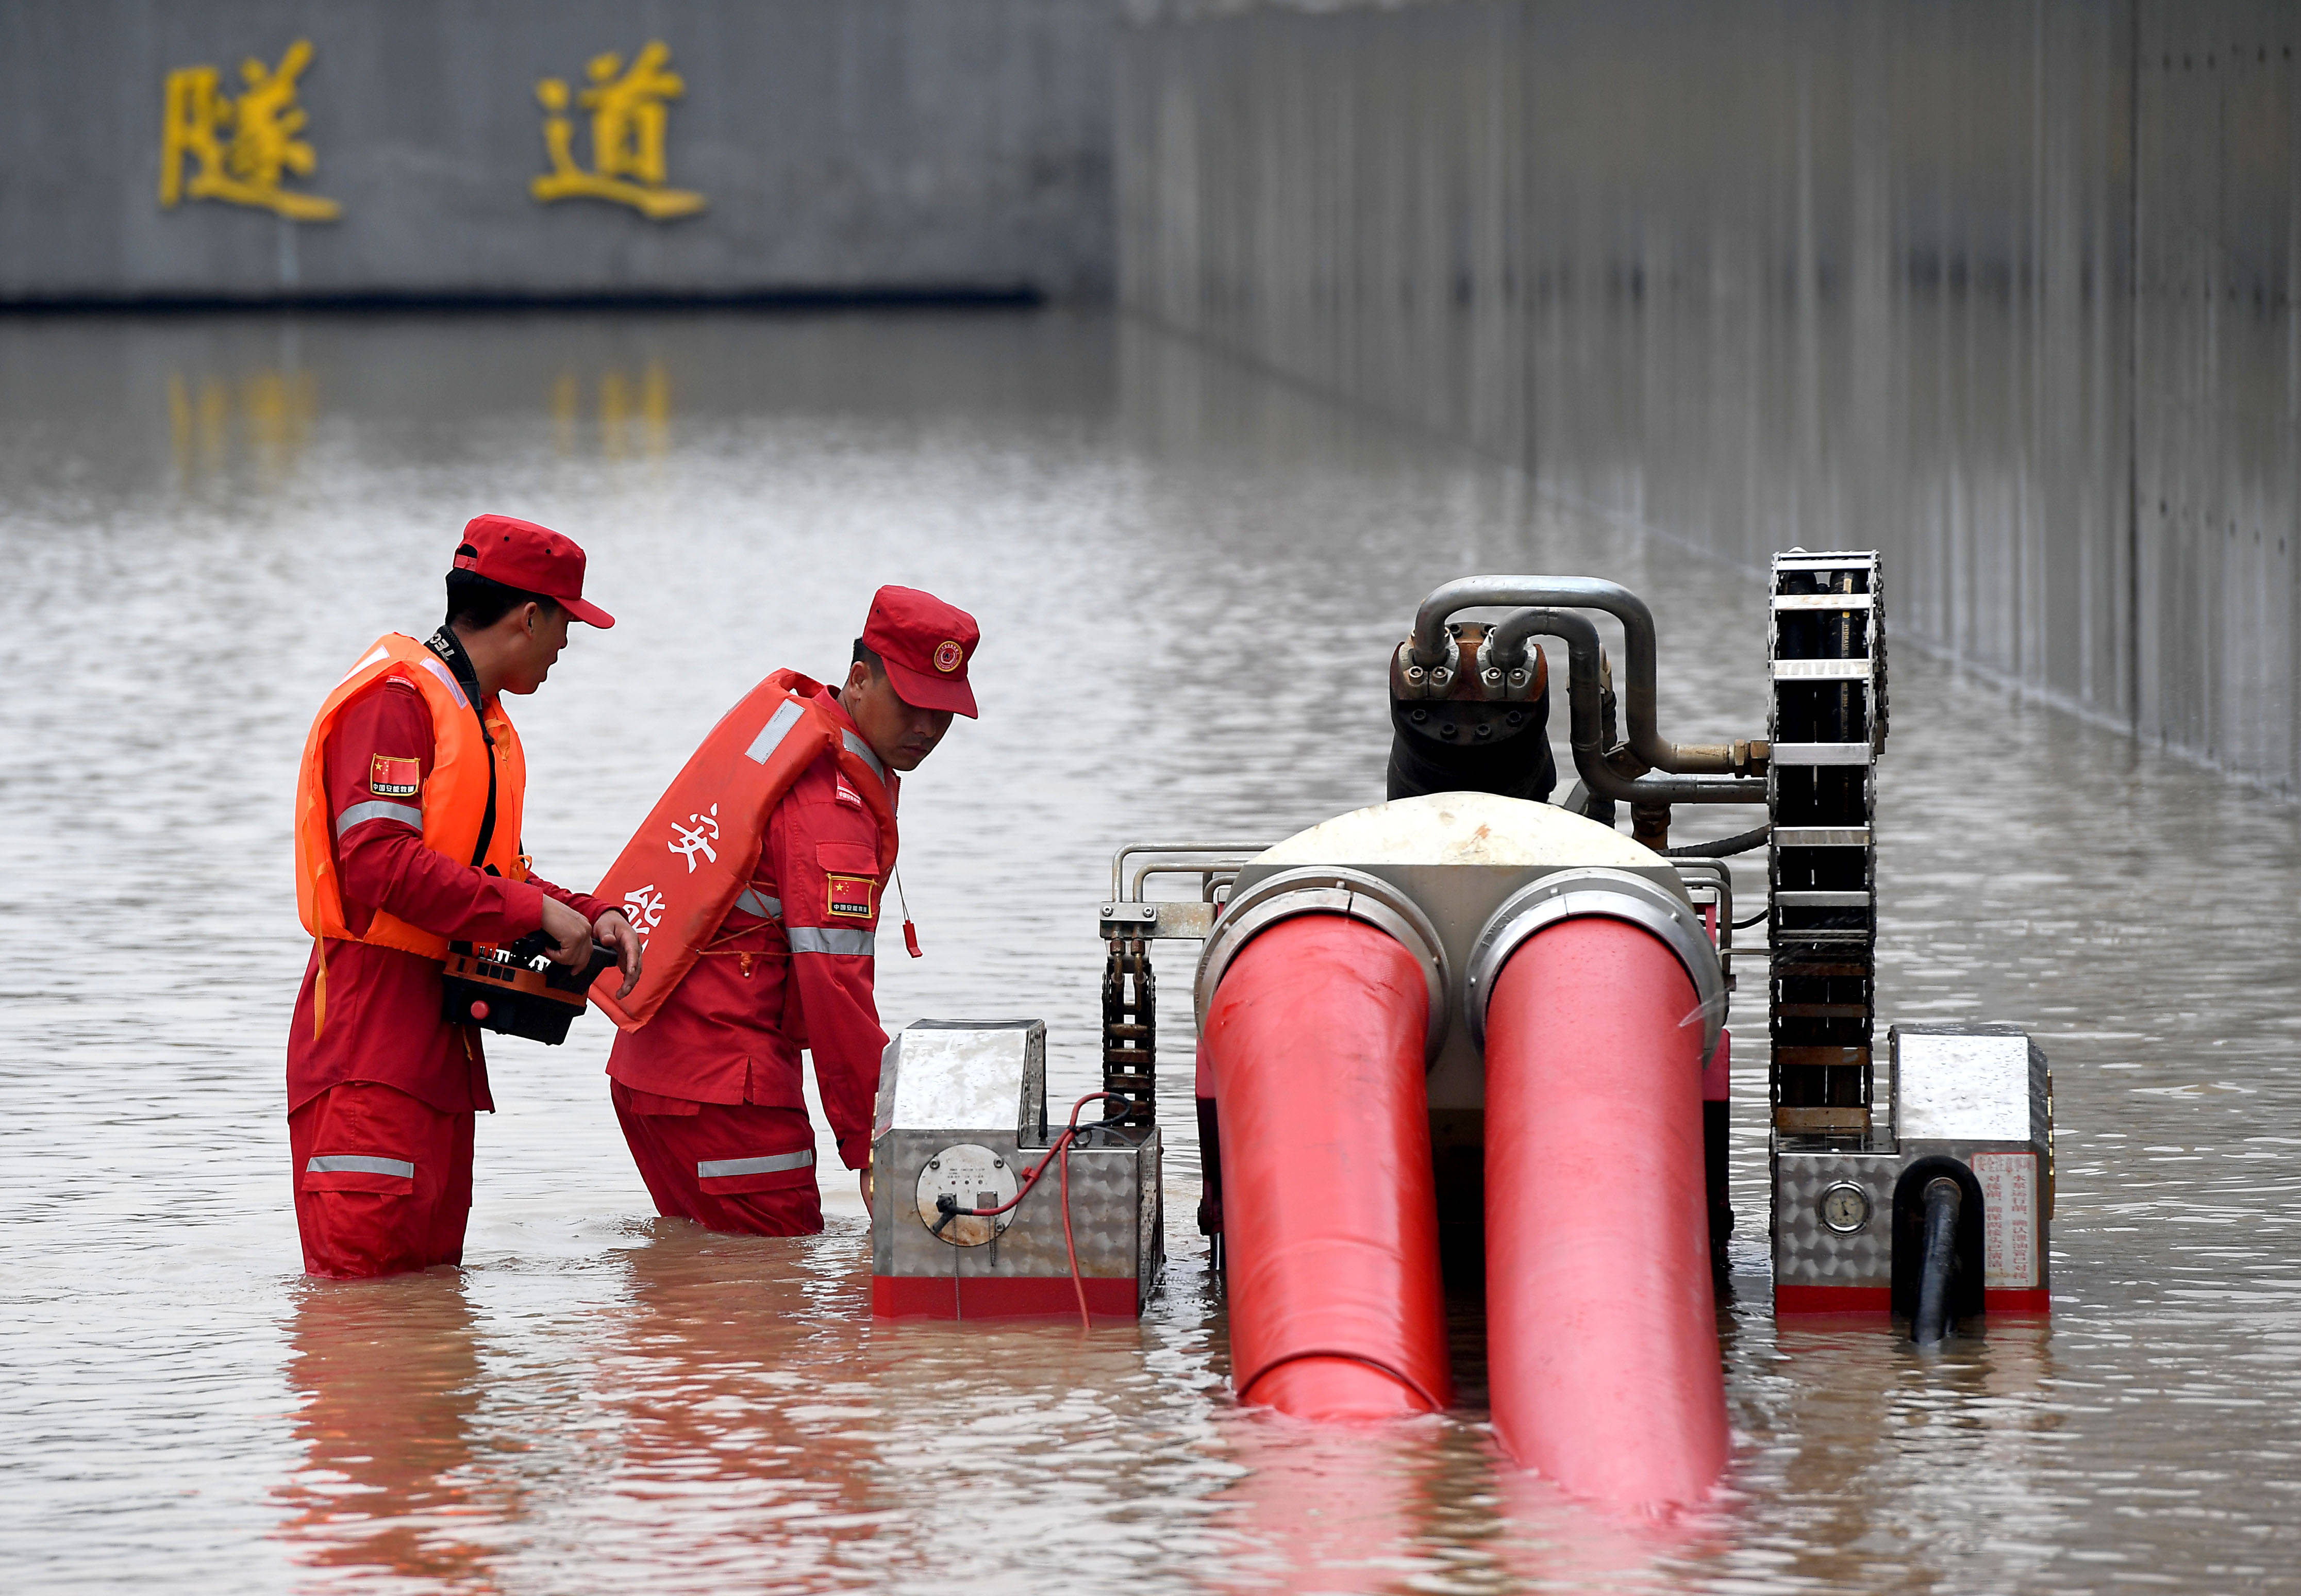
[2009, 1219]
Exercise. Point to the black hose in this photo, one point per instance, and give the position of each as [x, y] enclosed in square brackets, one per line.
[1741, 842]
[1930, 1323]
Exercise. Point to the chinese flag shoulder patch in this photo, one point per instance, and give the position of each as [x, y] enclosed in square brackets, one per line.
[851, 896]
[394, 778]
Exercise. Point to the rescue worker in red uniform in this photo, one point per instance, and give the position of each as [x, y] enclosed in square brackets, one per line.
[708, 1089]
[407, 837]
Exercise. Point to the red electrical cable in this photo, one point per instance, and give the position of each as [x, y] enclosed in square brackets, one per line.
[1070, 1247]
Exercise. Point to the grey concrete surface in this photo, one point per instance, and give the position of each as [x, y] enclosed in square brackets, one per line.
[2005, 291]
[921, 147]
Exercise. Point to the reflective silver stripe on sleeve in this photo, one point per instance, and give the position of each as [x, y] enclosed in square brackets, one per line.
[765, 908]
[771, 735]
[448, 676]
[831, 938]
[360, 1164]
[719, 1169]
[862, 750]
[379, 809]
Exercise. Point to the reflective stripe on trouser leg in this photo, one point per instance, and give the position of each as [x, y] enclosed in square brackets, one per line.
[720, 1169]
[689, 1162]
[360, 1164]
[401, 1202]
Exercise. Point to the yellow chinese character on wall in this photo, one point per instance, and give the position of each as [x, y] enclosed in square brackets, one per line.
[240, 146]
[629, 115]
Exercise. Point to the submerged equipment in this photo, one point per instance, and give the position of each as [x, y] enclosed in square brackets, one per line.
[1467, 1041]
[963, 1226]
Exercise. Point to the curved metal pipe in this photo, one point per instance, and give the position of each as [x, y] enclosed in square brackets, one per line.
[1506, 648]
[1584, 733]
[1930, 1323]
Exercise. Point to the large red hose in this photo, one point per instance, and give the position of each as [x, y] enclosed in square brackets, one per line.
[1602, 1336]
[1330, 1213]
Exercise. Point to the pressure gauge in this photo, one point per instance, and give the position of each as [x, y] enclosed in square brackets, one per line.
[958, 1192]
[1845, 1207]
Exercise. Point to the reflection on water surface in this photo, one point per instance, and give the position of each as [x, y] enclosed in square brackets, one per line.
[203, 519]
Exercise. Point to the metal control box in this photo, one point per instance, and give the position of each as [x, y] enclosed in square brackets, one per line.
[962, 1118]
[1973, 1102]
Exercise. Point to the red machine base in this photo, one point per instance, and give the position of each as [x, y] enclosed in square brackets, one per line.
[992, 1297]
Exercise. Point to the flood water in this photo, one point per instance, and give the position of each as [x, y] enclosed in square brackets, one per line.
[1189, 577]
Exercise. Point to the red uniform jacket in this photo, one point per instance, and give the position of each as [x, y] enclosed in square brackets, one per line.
[383, 1020]
[790, 968]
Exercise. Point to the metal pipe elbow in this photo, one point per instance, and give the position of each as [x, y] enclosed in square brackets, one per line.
[1506, 649]
[1579, 633]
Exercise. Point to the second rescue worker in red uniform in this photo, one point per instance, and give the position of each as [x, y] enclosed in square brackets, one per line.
[709, 1090]
[407, 836]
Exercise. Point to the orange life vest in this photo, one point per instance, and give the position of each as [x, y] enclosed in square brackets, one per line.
[684, 868]
[454, 800]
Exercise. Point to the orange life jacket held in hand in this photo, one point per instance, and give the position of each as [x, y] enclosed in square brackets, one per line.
[451, 809]
[684, 868]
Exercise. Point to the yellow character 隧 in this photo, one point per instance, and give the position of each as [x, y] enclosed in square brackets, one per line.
[240, 148]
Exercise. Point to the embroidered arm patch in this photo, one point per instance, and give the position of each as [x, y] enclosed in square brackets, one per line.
[387, 777]
[850, 896]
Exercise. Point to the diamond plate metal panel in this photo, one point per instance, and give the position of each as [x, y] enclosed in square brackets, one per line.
[1808, 1252]
[1113, 1206]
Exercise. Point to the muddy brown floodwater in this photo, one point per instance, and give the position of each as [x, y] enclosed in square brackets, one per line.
[1189, 577]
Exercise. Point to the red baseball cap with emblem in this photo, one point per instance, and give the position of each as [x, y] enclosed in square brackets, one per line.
[925, 645]
[534, 559]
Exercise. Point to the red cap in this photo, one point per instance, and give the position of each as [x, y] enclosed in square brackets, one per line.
[534, 559]
[924, 644]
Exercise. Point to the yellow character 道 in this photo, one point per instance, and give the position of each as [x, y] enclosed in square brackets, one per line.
[629, 115]
[239, 147]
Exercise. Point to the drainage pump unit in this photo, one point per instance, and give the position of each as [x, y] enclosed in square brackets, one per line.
[1473, 1039]
[961, 1140]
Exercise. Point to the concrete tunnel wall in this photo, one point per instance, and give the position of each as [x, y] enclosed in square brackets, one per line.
[875, 146]
[2005, 291]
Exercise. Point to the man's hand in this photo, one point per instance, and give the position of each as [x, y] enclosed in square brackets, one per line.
[615, 931]
[570, 933]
